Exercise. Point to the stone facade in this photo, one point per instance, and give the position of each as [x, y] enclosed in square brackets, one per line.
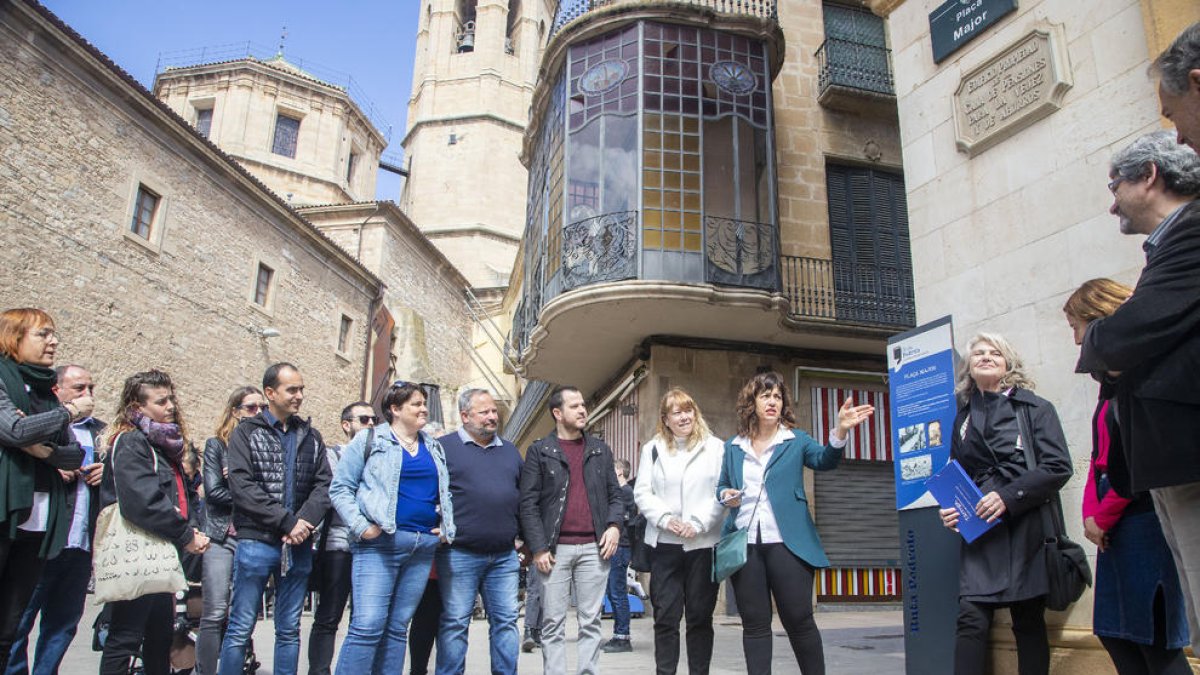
[423, 291]
[336, 150]
[808, 135]
[999, 239]
[468, 111]
[79, 138]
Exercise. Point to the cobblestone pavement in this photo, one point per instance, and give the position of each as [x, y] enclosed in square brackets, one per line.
[856, 643]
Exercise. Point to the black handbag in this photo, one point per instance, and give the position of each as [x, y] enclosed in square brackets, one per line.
[641, 553]
[1067, 568]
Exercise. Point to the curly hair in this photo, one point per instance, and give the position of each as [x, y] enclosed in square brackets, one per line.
[1014, 374]
[747, 416]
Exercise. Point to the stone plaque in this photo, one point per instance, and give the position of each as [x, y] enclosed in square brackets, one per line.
[1011, 90]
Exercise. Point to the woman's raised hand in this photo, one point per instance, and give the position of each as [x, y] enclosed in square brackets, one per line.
[850, 416]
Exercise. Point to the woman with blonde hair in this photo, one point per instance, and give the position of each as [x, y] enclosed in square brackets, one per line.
[145, 477]
[1139, 612]
[244, 402]
[34, 441]
[677, 478]
[1000, 420]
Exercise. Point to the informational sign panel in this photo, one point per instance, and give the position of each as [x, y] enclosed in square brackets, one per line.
[921, 382]
[921, 378]
[956, 22]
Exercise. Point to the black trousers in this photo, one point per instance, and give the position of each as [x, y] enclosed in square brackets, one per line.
[773, 570]
[143, 626]
[333, 590]
[422, 632]
[681, 587]
[1029, 629]
[20, 570]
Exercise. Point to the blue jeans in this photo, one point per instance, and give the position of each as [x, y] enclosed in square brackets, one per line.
[462, 574]
[253, 564]
[618, 592]
[59, 597]
[389, 575]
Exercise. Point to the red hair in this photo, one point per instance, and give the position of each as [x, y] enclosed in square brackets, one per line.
[15, 323]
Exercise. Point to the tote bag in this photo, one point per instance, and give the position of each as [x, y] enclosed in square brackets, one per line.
[130, 562]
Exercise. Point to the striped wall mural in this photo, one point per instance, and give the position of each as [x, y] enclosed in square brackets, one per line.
[870, 442]
[620, 430]
[858, 583]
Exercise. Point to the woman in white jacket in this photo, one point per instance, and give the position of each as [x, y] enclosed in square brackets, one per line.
[676, 484]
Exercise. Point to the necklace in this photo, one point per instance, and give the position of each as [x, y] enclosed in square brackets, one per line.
[410, 446]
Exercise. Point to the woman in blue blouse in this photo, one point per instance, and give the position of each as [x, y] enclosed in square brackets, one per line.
[395, 498]
[768, 456]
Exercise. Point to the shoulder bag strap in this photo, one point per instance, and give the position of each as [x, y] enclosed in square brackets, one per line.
[369, 446]
[1052, 517]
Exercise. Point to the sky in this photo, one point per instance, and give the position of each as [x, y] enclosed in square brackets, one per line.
[371, 41]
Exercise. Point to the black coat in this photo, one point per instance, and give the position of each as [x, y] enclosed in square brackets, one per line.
[147, 497]
[256, 479]
[218, 502]
[1007, 563]
[544, 491]
[1153, 340]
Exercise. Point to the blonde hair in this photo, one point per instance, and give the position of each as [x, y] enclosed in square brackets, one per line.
[1014, 374]
[1096, 299]
[678, 398]
[226, 422]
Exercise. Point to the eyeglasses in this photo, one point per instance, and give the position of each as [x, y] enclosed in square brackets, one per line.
[43, 333]
[400, 384]
[252, 408]
[367, 419]
[1112, 184]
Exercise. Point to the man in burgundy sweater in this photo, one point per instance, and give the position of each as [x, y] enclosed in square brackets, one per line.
[571, 518]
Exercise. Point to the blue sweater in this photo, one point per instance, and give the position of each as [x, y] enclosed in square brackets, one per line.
[484, 486]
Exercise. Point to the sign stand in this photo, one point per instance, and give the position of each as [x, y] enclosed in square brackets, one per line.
[921, 383]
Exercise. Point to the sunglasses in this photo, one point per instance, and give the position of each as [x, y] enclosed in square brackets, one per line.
[367, 419]
[253, 408]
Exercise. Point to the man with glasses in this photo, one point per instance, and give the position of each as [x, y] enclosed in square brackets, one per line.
[1151, 346]
[330, 577]
[485, 475]
[60, 594]
[279, 479]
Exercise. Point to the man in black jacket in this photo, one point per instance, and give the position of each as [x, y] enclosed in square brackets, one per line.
[62, 589]
[279, 479]
[1151, 344]
[571, 516]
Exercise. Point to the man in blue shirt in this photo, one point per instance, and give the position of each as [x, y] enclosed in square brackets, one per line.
[279, 480]
[485, 472]
[60, 594]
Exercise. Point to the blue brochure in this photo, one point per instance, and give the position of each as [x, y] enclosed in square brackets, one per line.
[952, 488]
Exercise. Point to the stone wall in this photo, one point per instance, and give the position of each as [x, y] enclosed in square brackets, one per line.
[1001, 238]
[77, 140]
[808, 134]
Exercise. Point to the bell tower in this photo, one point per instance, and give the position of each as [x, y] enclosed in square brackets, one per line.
[473, 78]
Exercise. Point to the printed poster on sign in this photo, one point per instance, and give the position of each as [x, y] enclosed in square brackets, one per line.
[921, 383]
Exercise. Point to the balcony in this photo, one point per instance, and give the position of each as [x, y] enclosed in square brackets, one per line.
[854, 75]
[570, 10]
[609, 295]
[856, 294]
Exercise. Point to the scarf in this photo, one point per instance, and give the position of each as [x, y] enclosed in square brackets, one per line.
[18, 469]
[164, 436]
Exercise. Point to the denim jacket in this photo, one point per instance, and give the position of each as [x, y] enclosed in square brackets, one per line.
[365, 492]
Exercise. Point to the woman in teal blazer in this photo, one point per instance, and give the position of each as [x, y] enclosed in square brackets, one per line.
[784, 549]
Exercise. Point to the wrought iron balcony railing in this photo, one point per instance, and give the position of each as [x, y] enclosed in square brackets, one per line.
[569, 10]
[598, 249]
[862, 294]
[856, 66]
